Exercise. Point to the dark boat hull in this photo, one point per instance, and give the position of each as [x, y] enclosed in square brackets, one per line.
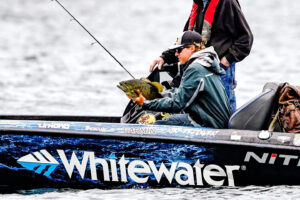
[63, 154]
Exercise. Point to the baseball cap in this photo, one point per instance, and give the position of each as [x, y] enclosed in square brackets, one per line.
[186, 38]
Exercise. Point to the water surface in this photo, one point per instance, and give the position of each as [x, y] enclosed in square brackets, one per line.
[48, 66]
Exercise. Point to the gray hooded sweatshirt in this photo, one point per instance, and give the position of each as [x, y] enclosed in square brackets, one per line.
[201, 93]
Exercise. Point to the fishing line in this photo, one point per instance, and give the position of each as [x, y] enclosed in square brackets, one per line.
[94, 38]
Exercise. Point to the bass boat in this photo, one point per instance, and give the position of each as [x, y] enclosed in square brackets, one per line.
[42, 152]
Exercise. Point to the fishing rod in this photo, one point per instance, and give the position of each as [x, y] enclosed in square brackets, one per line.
[94, 38]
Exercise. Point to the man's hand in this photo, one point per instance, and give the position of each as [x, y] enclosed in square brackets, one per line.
[158, 62]
[139, 100]
[225, 62]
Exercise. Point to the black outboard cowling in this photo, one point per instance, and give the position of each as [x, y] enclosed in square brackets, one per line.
[257, 113]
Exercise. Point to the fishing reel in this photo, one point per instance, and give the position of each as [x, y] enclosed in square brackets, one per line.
[137, 115]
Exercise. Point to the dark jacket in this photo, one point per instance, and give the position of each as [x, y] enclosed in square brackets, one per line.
[230, 35]
[201, 93]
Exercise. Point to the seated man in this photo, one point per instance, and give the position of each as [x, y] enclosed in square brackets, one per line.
[201, 95]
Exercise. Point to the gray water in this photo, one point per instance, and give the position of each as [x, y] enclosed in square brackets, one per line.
[48, 66]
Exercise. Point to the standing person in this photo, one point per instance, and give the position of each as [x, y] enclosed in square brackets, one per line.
[201, 94]
[223, 25]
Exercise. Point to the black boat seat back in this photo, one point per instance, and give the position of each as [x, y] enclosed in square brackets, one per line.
[256, 114]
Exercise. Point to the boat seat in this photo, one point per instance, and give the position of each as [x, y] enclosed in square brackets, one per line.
[256, 114]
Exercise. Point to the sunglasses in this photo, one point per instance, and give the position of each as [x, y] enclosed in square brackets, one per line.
[179, 49]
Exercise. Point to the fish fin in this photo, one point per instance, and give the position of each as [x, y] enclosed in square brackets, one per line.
[159, 86]
[145, 79]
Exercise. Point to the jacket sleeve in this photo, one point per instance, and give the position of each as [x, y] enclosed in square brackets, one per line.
[243, 37]
[182, 97]
[169, 56]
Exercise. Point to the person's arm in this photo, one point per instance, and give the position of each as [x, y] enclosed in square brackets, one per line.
[167, 56]
[176, 102]
[243, 38]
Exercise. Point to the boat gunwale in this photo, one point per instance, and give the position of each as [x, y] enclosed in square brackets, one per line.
[138, 137]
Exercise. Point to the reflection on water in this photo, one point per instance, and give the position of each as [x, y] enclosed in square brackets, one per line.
[48, 65]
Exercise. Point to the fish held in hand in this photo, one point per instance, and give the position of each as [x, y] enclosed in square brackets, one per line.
[150, 90]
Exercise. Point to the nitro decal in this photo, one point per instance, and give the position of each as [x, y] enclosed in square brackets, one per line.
[273, 158]
[125, 170]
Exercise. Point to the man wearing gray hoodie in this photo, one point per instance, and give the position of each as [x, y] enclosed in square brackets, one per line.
[201, 94]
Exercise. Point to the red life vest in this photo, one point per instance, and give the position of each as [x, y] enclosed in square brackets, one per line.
[208, 18]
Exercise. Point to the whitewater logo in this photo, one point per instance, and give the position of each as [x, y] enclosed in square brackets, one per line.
[38, 162]
[138, 171]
